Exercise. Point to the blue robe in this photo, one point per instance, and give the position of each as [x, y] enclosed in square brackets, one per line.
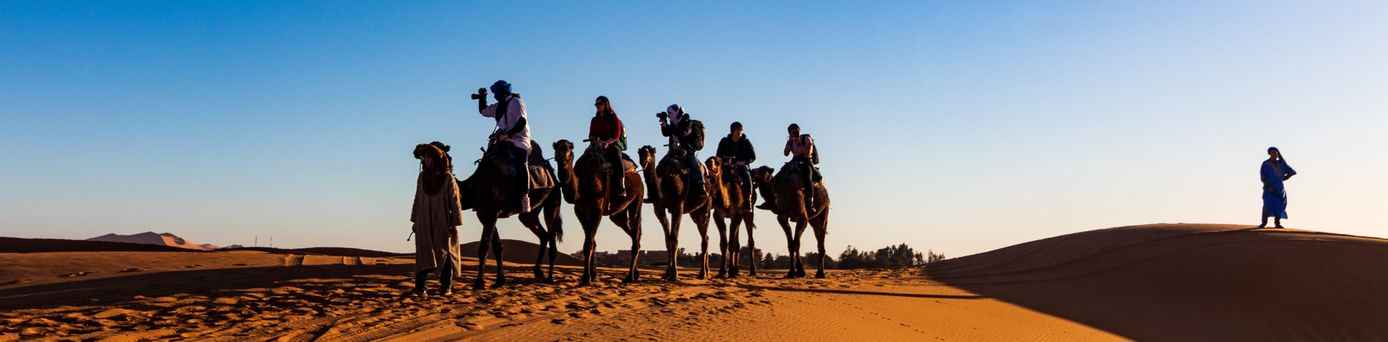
[1274, 173]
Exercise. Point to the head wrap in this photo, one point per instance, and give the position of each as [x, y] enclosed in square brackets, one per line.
[501, 87]
[675, 112]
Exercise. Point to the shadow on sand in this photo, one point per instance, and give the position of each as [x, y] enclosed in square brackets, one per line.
[858, 292]
[1192, 282]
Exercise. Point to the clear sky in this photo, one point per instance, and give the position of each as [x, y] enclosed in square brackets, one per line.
[958, 126]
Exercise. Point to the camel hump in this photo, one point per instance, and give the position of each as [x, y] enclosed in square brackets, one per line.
[628, 165]
[537, 154]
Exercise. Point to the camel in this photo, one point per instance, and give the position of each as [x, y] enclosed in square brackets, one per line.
[667, 183]
[584, 185]
[484, 192]
[730, 209]
[784, 190]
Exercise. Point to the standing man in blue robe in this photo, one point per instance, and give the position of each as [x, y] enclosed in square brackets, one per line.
[1274, 173]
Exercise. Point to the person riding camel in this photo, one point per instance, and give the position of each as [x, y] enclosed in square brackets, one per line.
[803, 156]
[606, 128]
[511, 137]
[677, 125]
[737, 149]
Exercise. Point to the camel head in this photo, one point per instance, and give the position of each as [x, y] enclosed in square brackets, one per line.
[715, 167]
[646, 154]
[762, 175]
[564, 152]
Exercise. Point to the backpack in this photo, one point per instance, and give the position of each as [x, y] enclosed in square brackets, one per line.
[621, 135]
[814, 154]
[696, 135]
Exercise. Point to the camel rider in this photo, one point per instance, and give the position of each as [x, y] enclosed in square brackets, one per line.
[677, 125]
[512, 136]
[737, 150]
[607, 129]
[801, 149]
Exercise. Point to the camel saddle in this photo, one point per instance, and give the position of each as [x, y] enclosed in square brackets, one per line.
[542, 176]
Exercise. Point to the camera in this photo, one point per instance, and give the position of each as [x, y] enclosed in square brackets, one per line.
[662, 115]
[481, 94]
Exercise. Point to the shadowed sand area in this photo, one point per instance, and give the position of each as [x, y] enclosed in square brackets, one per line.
[1165, 282]
[1193, 281]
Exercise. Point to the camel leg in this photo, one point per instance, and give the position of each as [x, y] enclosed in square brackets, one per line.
[676, 214]
[593, 258]
[488, 224]
[752, 246]
[734, 255]
[701, 218]
[633, 230]
[722, 244]
[532, 221]
[821, 228]
[703, 253]
[556, 232]
[497, 249]
[589, 228]
[800, 226]
[587, 258]
[790, 243]
[634, 221]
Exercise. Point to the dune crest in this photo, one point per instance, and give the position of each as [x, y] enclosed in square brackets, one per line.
[152, 238]
[1214, 282]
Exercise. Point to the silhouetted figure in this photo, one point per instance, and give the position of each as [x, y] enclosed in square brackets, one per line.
[511, 137]
[606, 128]
[685, 142]
[436, 214]
[1274, 173]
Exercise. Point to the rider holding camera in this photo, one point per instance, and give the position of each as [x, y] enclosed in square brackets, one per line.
[737, 151]
[677, 125]
[803, 155]
[511, 137]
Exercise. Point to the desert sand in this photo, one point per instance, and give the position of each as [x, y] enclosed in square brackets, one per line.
[1155, 282]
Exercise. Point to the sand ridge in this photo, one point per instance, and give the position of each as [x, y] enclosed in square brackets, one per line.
[337, 301]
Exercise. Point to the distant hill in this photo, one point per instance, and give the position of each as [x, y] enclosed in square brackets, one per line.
[151, 238]
[22, 245]
[521, 252]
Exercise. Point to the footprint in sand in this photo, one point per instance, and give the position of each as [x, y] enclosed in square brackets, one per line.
[78, 274]
[132, 269]
[192, 266]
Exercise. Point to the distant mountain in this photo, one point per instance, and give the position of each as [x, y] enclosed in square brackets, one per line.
[152, 238]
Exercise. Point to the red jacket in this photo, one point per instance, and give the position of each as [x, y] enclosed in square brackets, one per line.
[606, 127]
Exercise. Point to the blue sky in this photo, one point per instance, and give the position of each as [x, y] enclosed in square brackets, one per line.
[954, 126]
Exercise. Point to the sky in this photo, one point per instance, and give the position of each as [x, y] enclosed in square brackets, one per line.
[955, 126]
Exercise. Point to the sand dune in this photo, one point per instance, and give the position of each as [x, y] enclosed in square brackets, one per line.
[518, 251]
[1158, 282]
[152, 238]
[22, 245]
[1188, 281]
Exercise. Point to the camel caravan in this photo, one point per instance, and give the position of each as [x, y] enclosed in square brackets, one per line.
[513, 178]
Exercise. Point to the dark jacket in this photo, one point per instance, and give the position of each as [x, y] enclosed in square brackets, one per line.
[740, 150]
[682, 131]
